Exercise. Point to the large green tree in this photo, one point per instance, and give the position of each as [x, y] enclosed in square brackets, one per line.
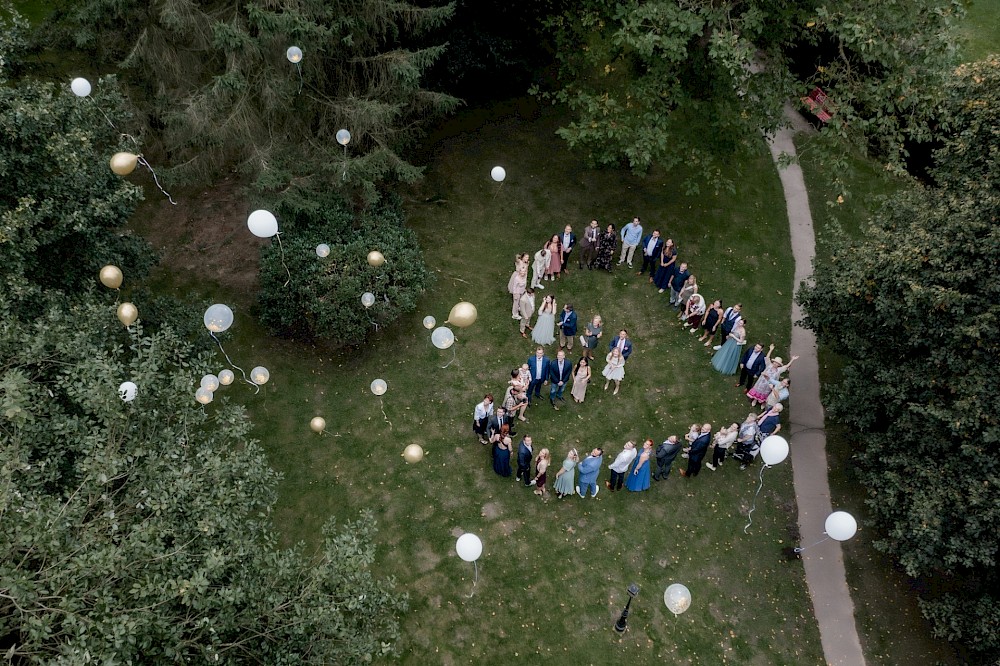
[217, 91]
[696, 82]
[914, 308]
[140, 532]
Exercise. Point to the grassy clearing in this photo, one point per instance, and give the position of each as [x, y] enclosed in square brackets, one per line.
[889, 621]
[552, 575]
[981, 29]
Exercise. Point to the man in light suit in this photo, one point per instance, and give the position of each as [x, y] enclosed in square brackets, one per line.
[588, 245]
[538, 366]
[526, 307]
[651, 246]
[568, 240]
[589, 468]
[567, 327]
[623, 343]
[751, 365]
[560, 370]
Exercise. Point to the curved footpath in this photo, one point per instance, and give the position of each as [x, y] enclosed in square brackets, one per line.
[824, 563]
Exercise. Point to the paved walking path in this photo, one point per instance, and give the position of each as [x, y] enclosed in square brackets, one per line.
[824, 563]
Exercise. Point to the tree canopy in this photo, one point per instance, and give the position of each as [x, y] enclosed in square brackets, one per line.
[667, 82]
[913, 308]
[214, 86]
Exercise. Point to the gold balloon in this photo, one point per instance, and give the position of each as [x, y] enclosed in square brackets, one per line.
[413, 453]
[127, 313]
[123, 163]
[376, 258]
[463, 314]
[318, 424]
[111, 276]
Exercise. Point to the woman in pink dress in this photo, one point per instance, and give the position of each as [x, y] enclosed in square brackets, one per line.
[555, 260]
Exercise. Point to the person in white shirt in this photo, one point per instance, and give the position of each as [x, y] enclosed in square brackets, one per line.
[481, 416]
[620, 466]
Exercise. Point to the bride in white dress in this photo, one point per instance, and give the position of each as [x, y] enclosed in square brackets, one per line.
[544, 332]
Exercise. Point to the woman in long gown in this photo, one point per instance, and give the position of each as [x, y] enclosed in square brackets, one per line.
[771, 376]
[544, 332]
[638, 480]
[555, 258]
[727, 359]
[614, 370]
[606, 246]
[668, 256]
[565, 483]
[581, 377]
[501, 457]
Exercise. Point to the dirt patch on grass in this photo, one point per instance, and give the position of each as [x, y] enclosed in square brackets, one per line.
[490, 511]
[205, 234]
[424, 557]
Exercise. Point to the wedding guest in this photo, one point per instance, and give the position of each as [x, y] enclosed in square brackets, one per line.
[526, 308]
[568, 241]
[665, 271]
[727, 359]
[768, 423]
[723, 440]
[771, 375]
[540, 265]
[516, 287]
[729, 318]
[522, 260]
[555, 258]
[677, 282]
[619, 467]
[710, 323]
[751, 365]
[699, 448]
[564, 484]
[523, 379]
[515, 401]
[588, 244]
[614, 370]
[638, 480]
[560, 372]
[501, 457]
[779, 393]
[541, 467]
[591, 334]
[747, 441]
[623, 343]
[665, 455]
[538, 367]
[689, 289]
[652, 246]
[496, 424]
[524, 454]
[567, 327]
[544, 332]
[606, 245]
[631, 235]
[481, 416]
[581, 378]
[589, 468]
[694, 312]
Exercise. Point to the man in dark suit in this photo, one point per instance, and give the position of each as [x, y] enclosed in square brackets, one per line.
[699, 447]
[588, 245]
[751, 365]
[651, 247]
[524, 455]
[665, 454]
[567, 327]
[729, 319]
[560, 370]
[623, 343]
[538, 366]
[568, 240]
[496, 422]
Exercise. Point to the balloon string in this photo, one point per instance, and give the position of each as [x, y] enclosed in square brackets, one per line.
[753, 505]
[230, 361]
[299, 70]
[497, 193]
[344, 177]
[799, 550]
[453, 356]
[474, 580]
[383, 413]
[143, 162]
[98, 107]
[282, 249]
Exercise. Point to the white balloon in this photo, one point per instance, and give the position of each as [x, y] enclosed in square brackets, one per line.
[379, 387]
[322, 250]
[677, 598]
[218, 318]
[80, 87]
[203, 395]
[368, 299]
[429, 322]
[262, 223]
[226, 377]
[259, 375]
[498, 173]
[841, 525]
[469, 547]
[127, 391]
[294, 54]
[773, 449]
[343, 137]
[210, 382]
[442, 337]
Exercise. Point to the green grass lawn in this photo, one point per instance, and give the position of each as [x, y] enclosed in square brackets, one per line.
[889, 621]
[552, 575]
[981, 29]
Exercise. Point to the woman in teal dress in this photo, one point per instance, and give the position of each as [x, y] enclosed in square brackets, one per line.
[565, 484]
[727, 359]
[638, 478]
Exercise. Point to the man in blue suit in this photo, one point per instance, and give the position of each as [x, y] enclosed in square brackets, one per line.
[560, 370]
[751, 365]
[538, 366]
[623, 343]
[651, 246]
[699, 447]
[567, 327]
[589, 468]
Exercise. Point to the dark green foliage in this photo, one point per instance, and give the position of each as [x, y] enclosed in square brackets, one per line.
[321, 297]
[915, 308]
[140, 532]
